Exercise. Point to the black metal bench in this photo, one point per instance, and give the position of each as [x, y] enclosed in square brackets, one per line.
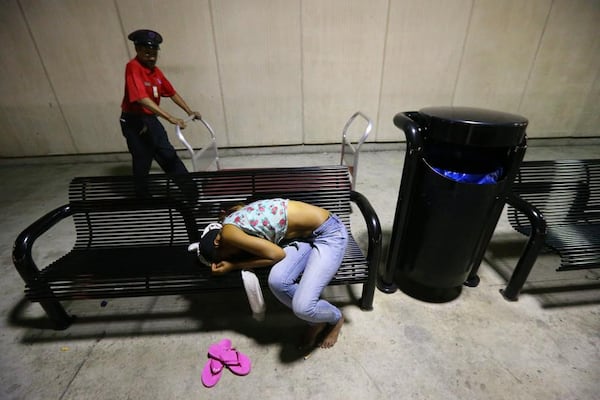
[556, 203]
[128, 244]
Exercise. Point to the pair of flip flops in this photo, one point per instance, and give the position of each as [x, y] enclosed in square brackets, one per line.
[220, 356]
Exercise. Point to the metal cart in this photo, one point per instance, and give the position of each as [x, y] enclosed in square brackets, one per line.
[201, 159]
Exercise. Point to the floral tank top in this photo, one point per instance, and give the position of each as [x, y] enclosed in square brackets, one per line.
[266, 219]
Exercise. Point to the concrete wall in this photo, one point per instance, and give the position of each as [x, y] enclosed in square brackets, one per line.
[277, 72]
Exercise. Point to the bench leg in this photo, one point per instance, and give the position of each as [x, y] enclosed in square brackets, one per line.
[366, 301]
[368, 293]
[522, 270]
[57, 314]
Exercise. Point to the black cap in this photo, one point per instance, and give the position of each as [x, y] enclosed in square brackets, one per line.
[206, 245]
[146, 37]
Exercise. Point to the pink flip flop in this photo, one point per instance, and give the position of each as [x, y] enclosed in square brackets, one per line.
[235, 361]
[211, 373]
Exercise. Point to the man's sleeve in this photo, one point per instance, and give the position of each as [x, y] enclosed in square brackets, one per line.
[134, 83]
[167, 90]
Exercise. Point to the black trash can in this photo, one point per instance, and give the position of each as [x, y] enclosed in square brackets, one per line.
[458, 168]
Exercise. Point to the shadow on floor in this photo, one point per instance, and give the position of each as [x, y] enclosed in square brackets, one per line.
[134, 317]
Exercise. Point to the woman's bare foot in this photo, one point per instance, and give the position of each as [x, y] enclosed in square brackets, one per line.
[309, 340]
[332, 335]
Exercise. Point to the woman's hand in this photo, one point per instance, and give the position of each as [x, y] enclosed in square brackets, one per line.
[221, 267]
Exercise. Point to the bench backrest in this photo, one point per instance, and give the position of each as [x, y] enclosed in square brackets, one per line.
[117, 211]
[565, 191]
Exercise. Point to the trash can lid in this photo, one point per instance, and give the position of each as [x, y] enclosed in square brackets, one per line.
[474, 126]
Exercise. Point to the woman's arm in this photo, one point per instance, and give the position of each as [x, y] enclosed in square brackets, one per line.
[223, 267]
[262, 252]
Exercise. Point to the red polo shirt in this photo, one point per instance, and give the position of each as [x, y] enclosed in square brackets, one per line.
[141, 82]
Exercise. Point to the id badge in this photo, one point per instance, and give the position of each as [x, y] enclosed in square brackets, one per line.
[155, 92]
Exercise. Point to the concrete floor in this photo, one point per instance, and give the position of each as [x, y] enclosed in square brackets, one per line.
[478, 346]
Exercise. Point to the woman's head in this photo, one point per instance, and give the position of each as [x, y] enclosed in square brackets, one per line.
[208, 245]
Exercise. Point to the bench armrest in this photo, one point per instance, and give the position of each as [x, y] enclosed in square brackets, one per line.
[374, 248]
[24, 243]
[373, 231]
[532, 248]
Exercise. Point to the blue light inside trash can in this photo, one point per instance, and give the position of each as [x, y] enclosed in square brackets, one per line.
[480, 179]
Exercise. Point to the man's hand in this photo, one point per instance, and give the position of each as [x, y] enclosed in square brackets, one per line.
[196, 115]
[177, 121]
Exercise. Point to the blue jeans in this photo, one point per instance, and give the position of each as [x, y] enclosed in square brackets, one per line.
[317, 259]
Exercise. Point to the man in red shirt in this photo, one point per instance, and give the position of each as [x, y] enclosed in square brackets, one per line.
[145, 84]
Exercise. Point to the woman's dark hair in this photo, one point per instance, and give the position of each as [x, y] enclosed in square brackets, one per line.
[224, 213]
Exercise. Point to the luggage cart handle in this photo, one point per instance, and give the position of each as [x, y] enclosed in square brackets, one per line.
[365, 134]
[190, 118]
[210, 149]
[350, 151]
[183, 139]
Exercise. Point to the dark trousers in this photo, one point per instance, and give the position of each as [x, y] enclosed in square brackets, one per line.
[147, 140]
